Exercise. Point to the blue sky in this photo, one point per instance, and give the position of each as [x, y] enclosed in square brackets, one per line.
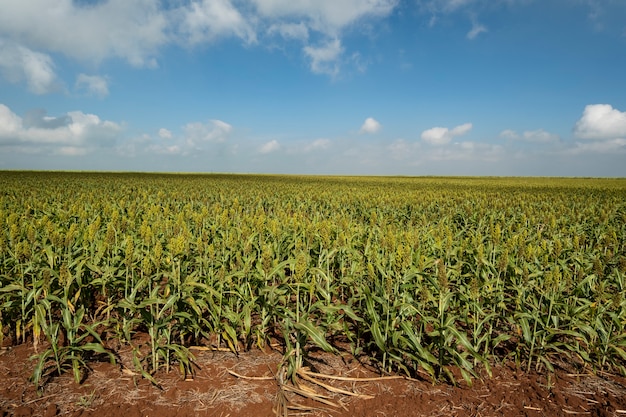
[373, 87]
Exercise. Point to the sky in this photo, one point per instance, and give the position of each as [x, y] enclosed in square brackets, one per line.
[355, 87]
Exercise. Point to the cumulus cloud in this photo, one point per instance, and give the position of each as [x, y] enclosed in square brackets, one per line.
[269, 147]
[133, 30]
[147, 144]
[128, 29]
[206, 20]
[196, 138]
[165, 134]
[196, 134]
[297, 19]
[325, 16]
[442, 135]
[601, 121]
[10, 123]
[136, 30]
[370, 126]
[39, 118]
[37, 70]
[324, 58]
[93, 85]
[437, 136]
[75, 133]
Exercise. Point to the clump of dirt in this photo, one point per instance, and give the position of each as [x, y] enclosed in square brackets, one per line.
[246, 385]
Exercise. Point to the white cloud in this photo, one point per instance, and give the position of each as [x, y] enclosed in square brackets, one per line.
[509, 134]
[39, 118]
[443, 135]
[534, 136]
[10, 123]
[198, 133]
[437, 136]
[442, 6]
[467, 151]
[196, 139]
[18, 63]
[206, 20]
[162, 149]
[461, 129]
[296, 19]
[75, 133]
[610, 146]
[129, 147]
[603, 129]
[324, 58]
[136, 30]
[165, 134]
[128, 29]
[317, 144]
[325, 16]
[370, 126]
[147, 144]
[93, 84]
[400, 149]
[601, 121]
[298, 31]
[476, 30]
[540, 136]
[269, 147]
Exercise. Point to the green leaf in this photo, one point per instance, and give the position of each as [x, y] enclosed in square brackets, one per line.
[316, 335]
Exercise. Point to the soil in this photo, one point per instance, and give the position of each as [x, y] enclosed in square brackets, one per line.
[110, 390]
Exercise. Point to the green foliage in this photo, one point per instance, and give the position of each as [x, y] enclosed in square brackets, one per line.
[424, 275]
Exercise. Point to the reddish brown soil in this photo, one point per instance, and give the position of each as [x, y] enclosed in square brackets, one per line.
[110, 390]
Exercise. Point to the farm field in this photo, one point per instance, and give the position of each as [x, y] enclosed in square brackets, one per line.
[155, 279]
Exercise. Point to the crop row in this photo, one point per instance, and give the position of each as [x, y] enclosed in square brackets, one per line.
[422, 275]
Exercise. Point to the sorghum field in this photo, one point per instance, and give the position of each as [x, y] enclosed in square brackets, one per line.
[441, 279]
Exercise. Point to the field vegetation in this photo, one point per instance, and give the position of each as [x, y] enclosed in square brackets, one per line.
[441, 277]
